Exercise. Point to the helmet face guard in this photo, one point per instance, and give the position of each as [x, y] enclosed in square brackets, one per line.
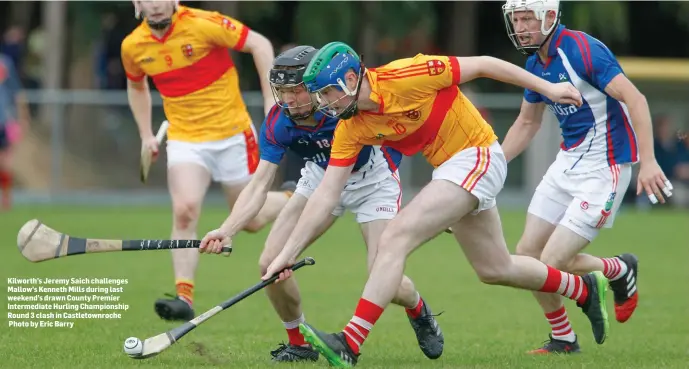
[160, 25]
[327, 70]
[286, 77]
[540, 9]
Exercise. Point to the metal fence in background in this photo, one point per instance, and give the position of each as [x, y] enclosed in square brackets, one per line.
[85, 148]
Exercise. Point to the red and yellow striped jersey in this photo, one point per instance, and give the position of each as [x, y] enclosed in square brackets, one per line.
[193, 71]
[421, 110]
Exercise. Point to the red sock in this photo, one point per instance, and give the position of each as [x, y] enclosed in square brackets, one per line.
[5, 179]
[559, 325]
[416, 311]
[613, 268]
[565, 284]
[365, 316]
[295, 337]
[5, 187]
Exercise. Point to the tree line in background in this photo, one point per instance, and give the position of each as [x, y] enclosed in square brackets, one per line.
[382, 31]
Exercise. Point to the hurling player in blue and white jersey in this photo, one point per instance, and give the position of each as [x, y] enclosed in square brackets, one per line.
[582, 190]
[373, 193]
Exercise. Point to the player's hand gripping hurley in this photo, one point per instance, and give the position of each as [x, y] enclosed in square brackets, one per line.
[155, 345]
[38, 242]
[216, 242]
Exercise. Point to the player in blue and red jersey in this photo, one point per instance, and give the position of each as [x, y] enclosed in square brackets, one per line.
[583, 189]
[14, 115]
[372, 192]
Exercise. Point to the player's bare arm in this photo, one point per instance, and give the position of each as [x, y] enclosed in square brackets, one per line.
[139, 97]
[651, 178]
[248, 205]
[523, 130]
[474, 67]
[262, 51]
[320, 205]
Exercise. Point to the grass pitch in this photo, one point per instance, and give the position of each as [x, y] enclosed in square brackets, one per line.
[484, 326]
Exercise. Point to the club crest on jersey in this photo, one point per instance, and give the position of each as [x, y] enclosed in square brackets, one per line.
[228, 25]
[412, 114]
[435, 67]
[188, 50]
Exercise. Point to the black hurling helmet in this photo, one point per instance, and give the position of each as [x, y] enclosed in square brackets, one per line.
[287, 73]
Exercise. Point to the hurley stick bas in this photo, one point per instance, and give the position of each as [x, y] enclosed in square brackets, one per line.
[38, 242]
[138, 349]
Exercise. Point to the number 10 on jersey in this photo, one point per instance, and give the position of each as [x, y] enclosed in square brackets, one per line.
[398, 127]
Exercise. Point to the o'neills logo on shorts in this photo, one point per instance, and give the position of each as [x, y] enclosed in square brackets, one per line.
[385, 209]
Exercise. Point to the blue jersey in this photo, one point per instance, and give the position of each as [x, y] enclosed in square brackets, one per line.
[9, 87]
[279, 133]
[599, 133]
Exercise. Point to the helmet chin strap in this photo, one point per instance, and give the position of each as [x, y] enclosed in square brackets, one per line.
[160, 25]
[353, 107]
[547, 38]
[155, 25]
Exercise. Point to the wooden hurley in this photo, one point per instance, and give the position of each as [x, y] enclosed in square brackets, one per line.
[38, 242]
[147, 155]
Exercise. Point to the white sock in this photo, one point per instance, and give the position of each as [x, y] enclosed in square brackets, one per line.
[295, 323]
[614, 268]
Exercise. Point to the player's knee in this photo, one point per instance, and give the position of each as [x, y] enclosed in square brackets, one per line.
[387, 252]
[556, 260]
[526, 248]
[394, 241]
[253, 226]
[492, 274]
[185, 214]
[263, 263]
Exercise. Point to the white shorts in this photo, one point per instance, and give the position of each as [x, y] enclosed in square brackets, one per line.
[479, 170]
[582, 202]
[229, 161]
[376, 201]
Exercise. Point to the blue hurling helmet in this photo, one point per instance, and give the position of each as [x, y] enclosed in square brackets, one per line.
[327, 69]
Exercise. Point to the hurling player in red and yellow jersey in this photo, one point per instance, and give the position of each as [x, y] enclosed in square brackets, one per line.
[211, 138]
[415, 105]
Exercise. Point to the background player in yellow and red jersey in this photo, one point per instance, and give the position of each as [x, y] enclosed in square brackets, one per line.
[211, 137]
[415, 105]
